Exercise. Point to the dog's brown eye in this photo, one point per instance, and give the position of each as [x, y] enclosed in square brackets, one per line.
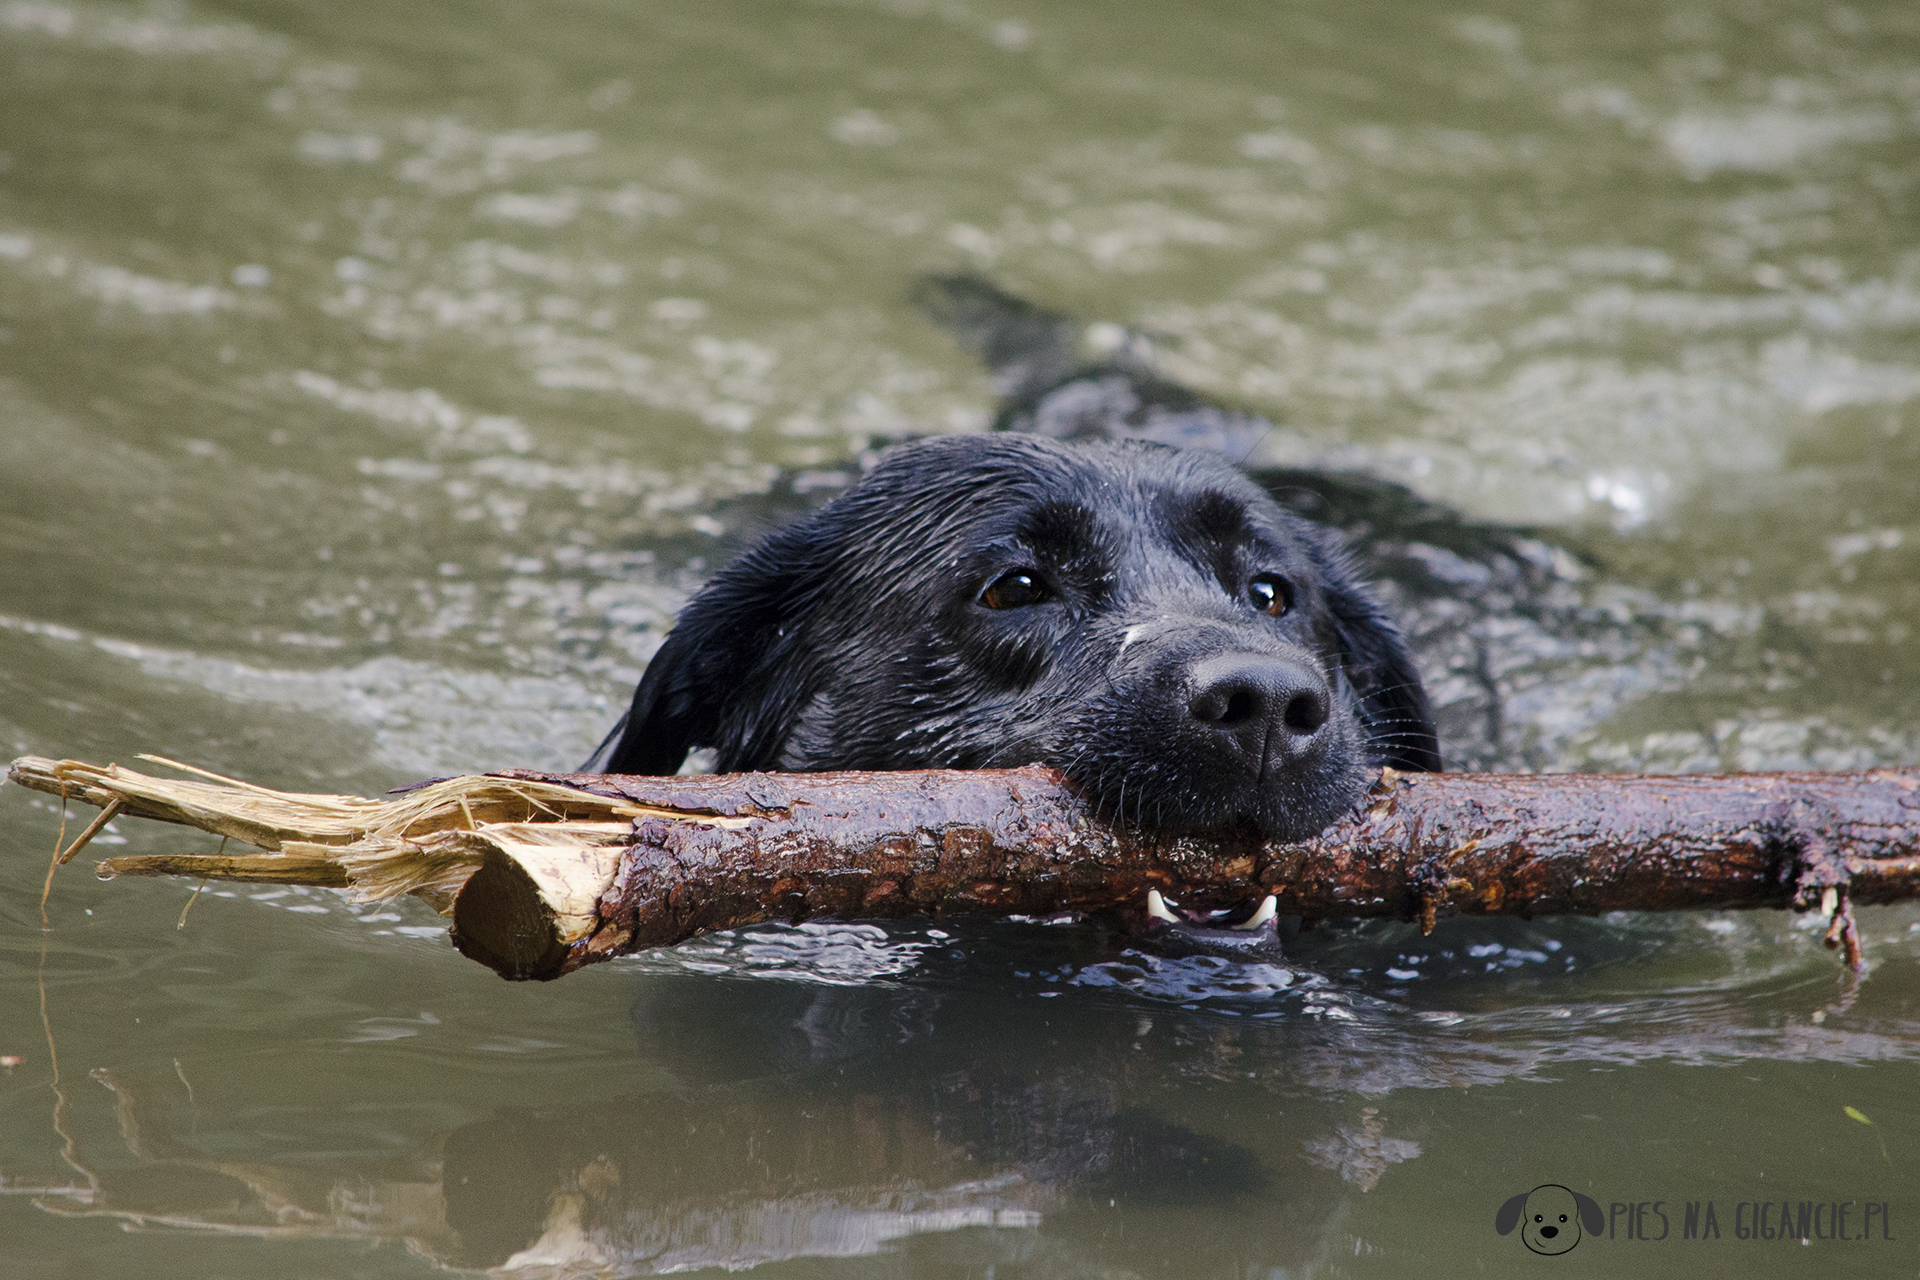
[1014, 589]
[1271, 593]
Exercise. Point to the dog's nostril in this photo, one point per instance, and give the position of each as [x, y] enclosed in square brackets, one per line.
[1306, 711]
[1227, 704]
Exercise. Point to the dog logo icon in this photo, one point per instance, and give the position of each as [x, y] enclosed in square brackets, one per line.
[1549, 1218]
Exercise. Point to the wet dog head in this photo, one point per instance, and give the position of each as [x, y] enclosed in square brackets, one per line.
[1144, 619]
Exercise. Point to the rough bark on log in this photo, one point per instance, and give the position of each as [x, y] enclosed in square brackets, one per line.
[1020, 842]
[711, 853]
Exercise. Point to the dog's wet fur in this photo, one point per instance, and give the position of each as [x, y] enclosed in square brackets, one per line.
[1144, 618]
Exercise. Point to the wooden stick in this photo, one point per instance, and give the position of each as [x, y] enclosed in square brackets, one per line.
[543, 873]
[1421, 847]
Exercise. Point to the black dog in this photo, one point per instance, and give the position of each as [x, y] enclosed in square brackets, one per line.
[1143, 618]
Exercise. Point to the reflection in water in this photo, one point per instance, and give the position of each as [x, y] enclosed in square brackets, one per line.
[833, 1096]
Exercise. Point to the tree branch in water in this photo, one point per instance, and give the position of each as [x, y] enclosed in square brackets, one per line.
[545, 872]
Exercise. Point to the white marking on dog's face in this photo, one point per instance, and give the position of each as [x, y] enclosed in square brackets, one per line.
[1128, 636]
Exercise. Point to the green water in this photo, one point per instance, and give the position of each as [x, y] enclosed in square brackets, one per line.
[377, 380]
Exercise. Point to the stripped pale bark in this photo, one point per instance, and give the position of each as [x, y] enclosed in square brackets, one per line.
[543, 873]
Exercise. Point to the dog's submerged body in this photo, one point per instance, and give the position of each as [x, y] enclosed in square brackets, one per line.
[1143, 618]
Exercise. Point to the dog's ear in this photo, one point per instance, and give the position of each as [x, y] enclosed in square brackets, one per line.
[1509, 1216]
[1378, 665]
[667, 716]
[1590, 1215]
[733, 672]
[597, 762]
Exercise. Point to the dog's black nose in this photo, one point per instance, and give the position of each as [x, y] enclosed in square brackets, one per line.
[1549, 1232]
[1263, 702]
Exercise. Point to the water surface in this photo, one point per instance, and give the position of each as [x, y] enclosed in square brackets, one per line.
[377, 380]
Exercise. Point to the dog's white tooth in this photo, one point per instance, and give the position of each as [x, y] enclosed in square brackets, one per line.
[1268, 910]
[1157, 908]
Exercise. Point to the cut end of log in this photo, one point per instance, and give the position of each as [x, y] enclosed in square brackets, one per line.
[535, 893]
[504, 921]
